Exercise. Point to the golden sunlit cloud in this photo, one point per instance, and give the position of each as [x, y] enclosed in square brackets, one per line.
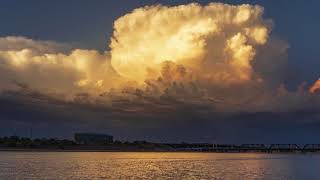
[217, 41]
[219, 56]
[86, 70]
[15, 43]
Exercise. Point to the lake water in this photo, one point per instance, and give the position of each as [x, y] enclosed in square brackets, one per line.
[128, 165]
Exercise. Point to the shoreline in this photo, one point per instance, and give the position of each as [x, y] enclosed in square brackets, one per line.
[149, 151]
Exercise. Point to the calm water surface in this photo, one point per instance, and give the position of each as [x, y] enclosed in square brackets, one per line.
[119, 165]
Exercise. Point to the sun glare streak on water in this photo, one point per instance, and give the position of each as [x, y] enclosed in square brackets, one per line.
[128, 165]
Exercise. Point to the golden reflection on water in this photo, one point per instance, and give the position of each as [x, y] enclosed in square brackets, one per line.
[141, 165]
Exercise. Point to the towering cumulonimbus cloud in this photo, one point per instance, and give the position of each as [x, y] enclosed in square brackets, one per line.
[218, 57]
[217, 42]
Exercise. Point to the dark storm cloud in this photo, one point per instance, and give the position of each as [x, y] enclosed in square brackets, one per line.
[163, 119]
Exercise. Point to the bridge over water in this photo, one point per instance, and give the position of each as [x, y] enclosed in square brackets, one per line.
[248, 147]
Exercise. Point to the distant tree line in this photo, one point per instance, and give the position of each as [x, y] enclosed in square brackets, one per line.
[23, 142]
[50, 143]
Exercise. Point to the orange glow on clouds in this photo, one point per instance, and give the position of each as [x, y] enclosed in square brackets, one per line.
[219, 38]
[316, 87]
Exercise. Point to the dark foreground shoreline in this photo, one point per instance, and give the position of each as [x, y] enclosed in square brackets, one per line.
[107, 148]
[15, 143]
[94, 151]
